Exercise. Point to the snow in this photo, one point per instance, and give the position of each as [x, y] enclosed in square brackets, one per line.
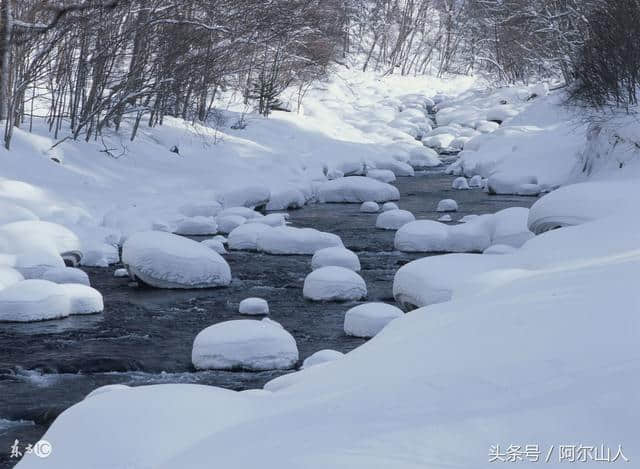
[321, 356]
[120, 273]
[245, 237]
[369, 207]
[398, 168]
[164, 260]
[368, 319]
[389, 206]
[286, 198]
[33, 300]
[383, 175]
[214, 244]
[244, 344]
[253, 306]
[200, 209]
[334, 284]
[9, 276]
[271, 219]
[356, 189]
[445, 217]
[499, 249]
[335, 256]
[289, 240]
[447, 205]
[65, 275]
[460, 183]
[244, 212]
[10, 212]
[196, 226]
[246, 196]
[394, 219]
[100, 255]
[228, 223]
[83, 298]
[505, 183]
[476, 181]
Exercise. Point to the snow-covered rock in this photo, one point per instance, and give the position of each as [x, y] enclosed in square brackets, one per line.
[460, 183]
[33, 300]
[164, 260]
[253, 306]
[389, 206]
[321, 356]
[83, 299]
[11, 212]
[100, 255]
[507, 183]
[432, 236]
[368, 319]
[65, 275]
[369, 207]
[27, 237]
[244, 344]
[228, 223]
[244, 212]
[398, 168]
[447, 205]
[271, 219]
[499, 249]
[286, 198]
[445, 217]
[120, 273]
[196, 226]
[334, 284]
[214, 244]
[356, 189]
[476, 181]
[336, 256]
[383, 175]
[246, 196]
[394, 219]
[423, 157]
[201, 209]
[486, 127]
[440, 141]
[245, 237]
[289, 240]
[510, 227]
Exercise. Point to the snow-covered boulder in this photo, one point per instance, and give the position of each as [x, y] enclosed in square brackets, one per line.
[214, 244]
[289, 240]
[228, 223]
[336, 256]
[398, 168]
[201, 209]
[510, 227]
[485, 127]
[445, 217]
[253, 306]
[507, 183]
[501, 113]
[251, 196]
[244, 212]
[286, 198]
[459, 142]
[476, 181]
[394, 219]
[164, 260]
[460, 183]
[33, 300]
[66, 275]
[440, 141]
[369, 207]
[368, 319]
[30, 235]
[83, 299]
[389, 206]
[100, 255]
[120, 273]
[356, 189]
[244, 344]
[196, 226]
[432, 236]
[447, 205]
[334, 284]
[321, 356]
[383, 175]
[245, 237]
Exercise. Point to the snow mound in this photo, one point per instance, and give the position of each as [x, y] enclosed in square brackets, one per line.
[336, 256]
[369, 207]
[100, 255]
[394, 219]
[245, 237]
[445, 218]
[83, 299]
[499, 249]
[389, 206]
[66, 275]
[289, 240]
[243, 212]
[476, 181]
[9, 276]
[383, 175]
[164, 260]
[356, 189]
[272, 219]
[214, 244]
[334, 284]
[398, 168]
[507, 183]
[368, 319]
[290, 197]
[246, 196]
[447, 205]
[120, 273]
[423, 157]
[196, 226]
[244, 344]
[321, 356]
[10, 212]
[253, 306]
[200, 209]
[460, 183]
[33, 300]
[228, 223]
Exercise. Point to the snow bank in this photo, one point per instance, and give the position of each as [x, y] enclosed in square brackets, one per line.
[336, 256]
[321, 356]
[368, 319]
[356, 189]
[288, 240]
[253, 306]
[334, 284]
[164, 260]
[244, 344]
[394, 219]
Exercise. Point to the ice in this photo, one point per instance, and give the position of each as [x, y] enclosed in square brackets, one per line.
[196, 226]
[164, 260]
[245, 237]
[447, 205]
[476, 181]
[336, 256]
[120, 273]
[368, 319]
[10, 212]
[214, 244]
[369, 207]
[460, 183]
[394, 219]
[383, 175]
[356, 189]
[246, 196]
[321, 356]
[228, 223]
[389, 206]
[398, 168]
[66, 275]
[289, 240]
[445, 218]
[334, 284]
[253, 306]
[244, 344]
[286, 198]
[33, 300]
[83, 298]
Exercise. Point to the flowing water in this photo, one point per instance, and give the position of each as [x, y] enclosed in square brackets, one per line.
[145, 335]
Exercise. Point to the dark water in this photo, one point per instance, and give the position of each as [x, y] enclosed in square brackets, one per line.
[144, 335]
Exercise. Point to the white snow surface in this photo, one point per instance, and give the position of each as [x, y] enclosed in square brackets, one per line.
[394, 219]
[368, 319]
[196, 226]
[289, 240]
[214, 244]
[389, 206]
[336, 256]
[356, 189]
[66, 275]
[334, 283]
[33, 300]
[447, 205]
[83, 299]
[321, 356]
[253, 306]
[245, 237]
[369, 207]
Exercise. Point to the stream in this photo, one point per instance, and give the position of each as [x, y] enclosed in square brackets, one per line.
[145, 335]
